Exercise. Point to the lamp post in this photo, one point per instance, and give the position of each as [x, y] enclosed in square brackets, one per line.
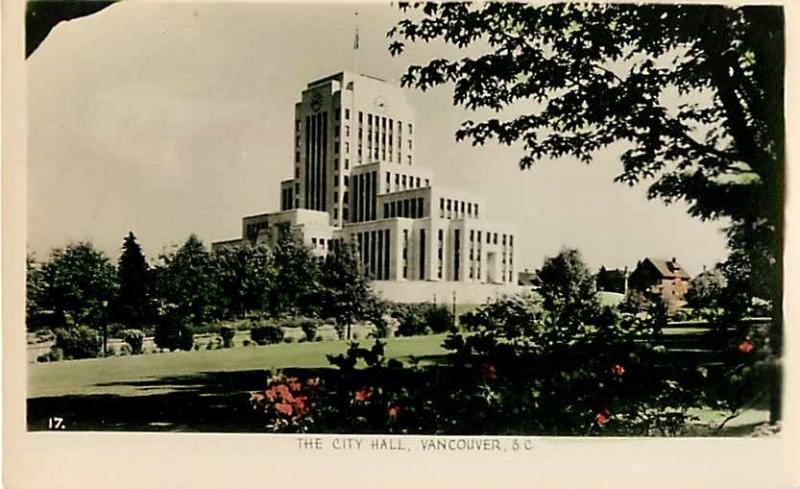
[454, 309]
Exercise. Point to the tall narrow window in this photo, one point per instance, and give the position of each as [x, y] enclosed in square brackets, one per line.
[386, 251]
[405, 253]
[372, 253]
[379, 259]
[456, 254]
[421, 254]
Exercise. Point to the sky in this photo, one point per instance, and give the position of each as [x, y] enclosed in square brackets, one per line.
[168, 119]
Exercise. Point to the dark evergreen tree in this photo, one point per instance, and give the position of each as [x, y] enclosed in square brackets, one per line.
[134, 305]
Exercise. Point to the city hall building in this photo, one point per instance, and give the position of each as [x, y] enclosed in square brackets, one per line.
[356, 180]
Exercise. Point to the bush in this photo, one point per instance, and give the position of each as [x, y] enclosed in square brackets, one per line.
[246, 343]
[78, 342]
[134, 338]
[438, 318]
[227, 333]
[267, 334]
[173, 332]
[521, 370]
[289, 339]
[186, 340]
[309, 327]
[412, 320]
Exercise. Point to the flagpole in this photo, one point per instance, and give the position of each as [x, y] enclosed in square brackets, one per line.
[356, 46]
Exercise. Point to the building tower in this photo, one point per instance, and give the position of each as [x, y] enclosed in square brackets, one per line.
[341, 122]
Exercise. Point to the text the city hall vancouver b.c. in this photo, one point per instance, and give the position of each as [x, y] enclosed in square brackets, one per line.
[443, 219]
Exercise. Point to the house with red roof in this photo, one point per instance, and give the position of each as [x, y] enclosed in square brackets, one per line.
[666, 278]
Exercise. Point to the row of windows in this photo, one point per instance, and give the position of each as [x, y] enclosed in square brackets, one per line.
[380, 138]
[411, 208]
[404, 182]
[322, 243]
[365, 192]
[455, 209]
[374, 249]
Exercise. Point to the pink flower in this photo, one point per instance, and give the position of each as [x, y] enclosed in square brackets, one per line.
[300, 405]
[601, 419]
[312, 382]
[618, 370]
[394, 411]
[363, 394]
[745, 346]
[284, 408]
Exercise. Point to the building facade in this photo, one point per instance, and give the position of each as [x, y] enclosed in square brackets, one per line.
[356, 179]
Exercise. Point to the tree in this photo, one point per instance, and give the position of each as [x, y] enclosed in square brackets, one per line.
[345, 290]
[134, 306]
[35, 315]
[78, 284]
[695, 92]
[610, 280]
[186, 282]
[298, 276]
[706, 289]
[568, 289]
[246, 276]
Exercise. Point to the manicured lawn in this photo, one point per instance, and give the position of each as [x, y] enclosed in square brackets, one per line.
[129, 376]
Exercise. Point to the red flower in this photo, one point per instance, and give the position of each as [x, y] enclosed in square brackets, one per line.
[601, 419]
[618, 370]
[394, 411]
[363, 394]
[284, 408]
[489, 371]
[745, 346]
[300, 405]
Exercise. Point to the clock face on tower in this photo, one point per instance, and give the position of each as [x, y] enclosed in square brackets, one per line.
[380, 104]
[316, 101]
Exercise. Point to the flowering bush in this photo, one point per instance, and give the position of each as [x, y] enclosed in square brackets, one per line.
[286, 403]
[576, 378]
